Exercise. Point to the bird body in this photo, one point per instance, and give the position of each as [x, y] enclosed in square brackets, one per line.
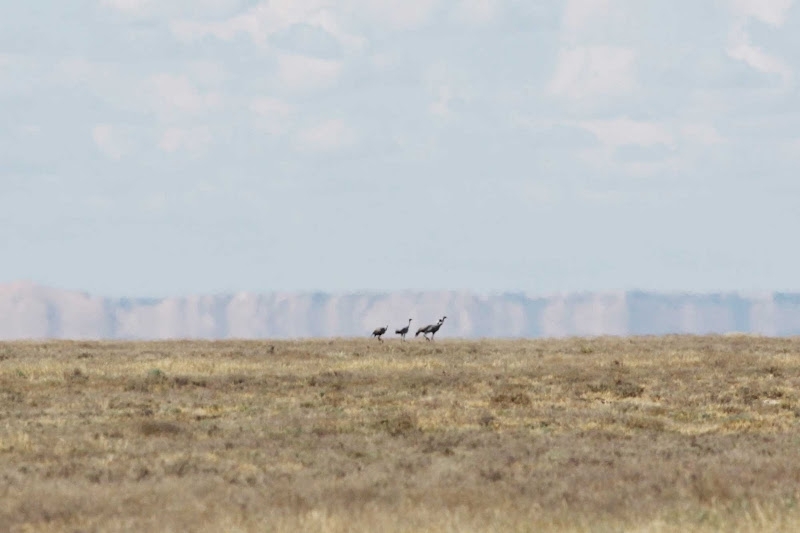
[380, 331]
[430, 328]
[402, 331]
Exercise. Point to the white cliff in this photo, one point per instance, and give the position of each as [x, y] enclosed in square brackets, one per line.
[30, 311]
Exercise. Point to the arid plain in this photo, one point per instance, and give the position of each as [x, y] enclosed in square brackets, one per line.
[672, 433]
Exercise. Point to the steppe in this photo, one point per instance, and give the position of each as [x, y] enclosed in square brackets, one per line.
[668, 433]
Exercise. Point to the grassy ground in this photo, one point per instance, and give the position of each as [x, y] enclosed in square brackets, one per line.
[640, 434]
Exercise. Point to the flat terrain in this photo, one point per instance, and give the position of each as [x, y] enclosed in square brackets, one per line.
[608, 434]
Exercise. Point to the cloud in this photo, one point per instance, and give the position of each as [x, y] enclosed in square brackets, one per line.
[537, 193]
[271, 114]
[177, 94]
[759, 60]
[635, 147]
[397, 15]
[30, 129]
[6, 60]
[772, 12]
[156, 202]
[109, 141]
[633, 153]
[127, 6]
[589, 71]
[99, 201]
[441, 106]
[330, 23]
[475, 12]
[327, 136]
[78, 70]
[265, 19]
[741, 49]
[591, 62]
[307, 40]
[171, 8]
[791, 149]
[555, 135]
[258, 21]
[207, 72]
[624, 131]
[702, 133]
[266, 106]
[189, 139]
[594, 196]
[301, 72]
[579, 14]
[448, 87]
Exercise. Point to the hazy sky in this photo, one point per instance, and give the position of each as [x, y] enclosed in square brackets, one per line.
[161, 147]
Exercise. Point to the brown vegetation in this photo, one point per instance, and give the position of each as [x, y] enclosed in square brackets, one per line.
[607, 434]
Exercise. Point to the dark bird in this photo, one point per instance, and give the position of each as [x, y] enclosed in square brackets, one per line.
[380, 331]
[430, 328]
[402, 331]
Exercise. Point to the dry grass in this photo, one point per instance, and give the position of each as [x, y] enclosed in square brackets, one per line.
[640, 434]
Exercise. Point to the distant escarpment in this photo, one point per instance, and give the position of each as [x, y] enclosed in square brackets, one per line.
[30, 311]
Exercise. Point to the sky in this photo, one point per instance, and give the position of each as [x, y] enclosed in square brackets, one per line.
[168, 147]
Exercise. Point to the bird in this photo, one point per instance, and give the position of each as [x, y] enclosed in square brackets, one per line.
[430, 328]
[380, 331]
[402, 331]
